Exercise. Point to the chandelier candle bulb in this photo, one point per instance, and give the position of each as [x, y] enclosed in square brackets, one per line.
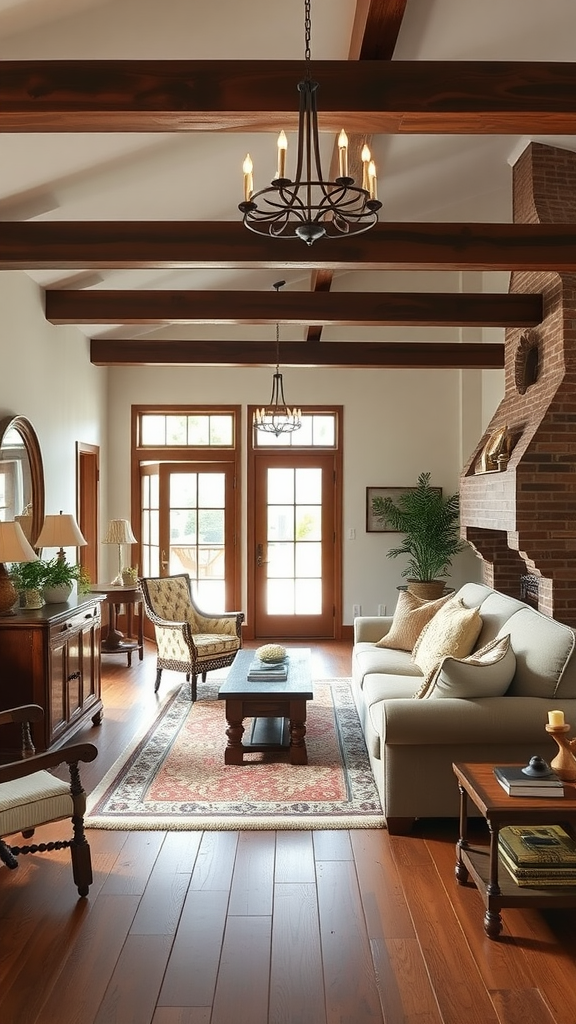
[366, 158]
[282, 147]
[343, 154]
[555, 718]
[248, 167]
[373, 185]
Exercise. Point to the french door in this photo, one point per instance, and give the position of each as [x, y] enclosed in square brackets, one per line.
[294, 544]
[188, 525]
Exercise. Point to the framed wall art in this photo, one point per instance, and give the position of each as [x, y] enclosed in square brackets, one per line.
[374, 525]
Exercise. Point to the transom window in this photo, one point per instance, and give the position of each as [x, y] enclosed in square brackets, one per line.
[174, 430]
[318, 430]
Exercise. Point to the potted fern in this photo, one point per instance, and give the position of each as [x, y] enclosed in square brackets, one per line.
[429, 523]
[28, 579]
[59, 578]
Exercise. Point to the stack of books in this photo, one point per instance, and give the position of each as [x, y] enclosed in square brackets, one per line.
[516, 783]
[259, 670]
[538, 855]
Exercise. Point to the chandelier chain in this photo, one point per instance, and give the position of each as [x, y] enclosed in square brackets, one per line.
[307, 36]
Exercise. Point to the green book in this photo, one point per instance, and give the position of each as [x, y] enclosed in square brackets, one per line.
[538, 878]
[538, 845]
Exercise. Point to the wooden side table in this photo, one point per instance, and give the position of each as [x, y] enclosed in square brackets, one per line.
[115, 642]
[497, 888]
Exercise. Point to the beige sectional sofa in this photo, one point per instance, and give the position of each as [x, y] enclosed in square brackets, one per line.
[413, 742]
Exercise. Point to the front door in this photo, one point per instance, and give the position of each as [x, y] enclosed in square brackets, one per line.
[295, 533]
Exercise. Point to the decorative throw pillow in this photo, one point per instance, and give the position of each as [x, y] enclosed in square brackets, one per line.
[410, 616]
[454, 630]
[487, 672]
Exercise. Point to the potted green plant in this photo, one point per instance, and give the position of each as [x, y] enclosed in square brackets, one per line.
[59, 578]
[429, 523]
[28, 579]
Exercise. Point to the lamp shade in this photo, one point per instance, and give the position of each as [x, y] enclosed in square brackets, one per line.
[61, 531]
[13, 544]
[119, 532]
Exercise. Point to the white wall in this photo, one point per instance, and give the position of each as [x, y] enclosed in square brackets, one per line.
[46, 375]
[397, 423]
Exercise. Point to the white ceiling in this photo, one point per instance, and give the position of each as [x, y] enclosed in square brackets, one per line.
[197, 176]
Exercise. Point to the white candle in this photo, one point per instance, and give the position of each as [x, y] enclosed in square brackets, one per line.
[282, 147]
[372, 180]
[248, 167]
[555, 718]
[366, 158]
[343, 154]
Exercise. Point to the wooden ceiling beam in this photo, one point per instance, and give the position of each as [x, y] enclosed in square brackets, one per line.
[173, 245]
[394, 355]
[424, 309]
[379, 96]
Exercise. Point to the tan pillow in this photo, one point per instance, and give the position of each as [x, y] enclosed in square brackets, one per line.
[411, 615]
[454, 630]
[487, 672]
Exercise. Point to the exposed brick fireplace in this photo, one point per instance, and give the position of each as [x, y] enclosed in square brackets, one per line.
[523, 520]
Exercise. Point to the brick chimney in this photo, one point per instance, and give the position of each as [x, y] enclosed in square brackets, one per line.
[522, 520]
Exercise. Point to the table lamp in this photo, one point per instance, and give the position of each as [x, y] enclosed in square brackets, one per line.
[61, 531]
[119, 532]
[13, 548]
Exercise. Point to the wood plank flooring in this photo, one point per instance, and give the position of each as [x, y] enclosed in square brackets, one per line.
[289, 927]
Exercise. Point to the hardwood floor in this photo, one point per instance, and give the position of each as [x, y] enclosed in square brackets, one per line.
[290, 927]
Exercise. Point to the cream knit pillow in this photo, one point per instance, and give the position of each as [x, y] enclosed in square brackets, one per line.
[410, 616]
[454, 630]
[484, 673]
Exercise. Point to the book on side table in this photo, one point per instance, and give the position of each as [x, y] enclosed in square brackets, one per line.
[516, 783]
[538, 855]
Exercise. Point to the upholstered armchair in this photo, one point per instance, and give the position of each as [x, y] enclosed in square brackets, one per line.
[30, 795]
[188, 639]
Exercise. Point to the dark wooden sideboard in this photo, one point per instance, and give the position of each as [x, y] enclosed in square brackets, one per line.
[51, 657]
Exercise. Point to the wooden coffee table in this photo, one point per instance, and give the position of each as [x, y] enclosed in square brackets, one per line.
[278, 708]
[497, 887]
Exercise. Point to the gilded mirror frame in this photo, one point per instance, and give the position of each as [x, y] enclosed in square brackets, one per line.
[32, 446]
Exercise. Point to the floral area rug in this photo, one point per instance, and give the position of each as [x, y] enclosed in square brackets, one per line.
[174, 777]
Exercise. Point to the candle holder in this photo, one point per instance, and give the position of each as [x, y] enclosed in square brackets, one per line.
[564, 764]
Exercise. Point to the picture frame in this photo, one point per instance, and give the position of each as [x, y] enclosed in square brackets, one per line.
[374, 525]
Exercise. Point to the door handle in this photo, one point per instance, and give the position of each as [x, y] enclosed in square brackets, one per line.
[260, 560]
[164, 561]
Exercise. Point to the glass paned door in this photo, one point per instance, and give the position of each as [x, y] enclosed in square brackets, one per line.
[294, 545]
[197, 529]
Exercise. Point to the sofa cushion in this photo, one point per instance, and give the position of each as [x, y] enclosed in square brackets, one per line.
[496, 610]
[484, 673]
[410, 616]
[368, 658]
[453, 630]
[543, 648]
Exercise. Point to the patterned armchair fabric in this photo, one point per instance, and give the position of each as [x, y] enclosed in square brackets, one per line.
[188, 640]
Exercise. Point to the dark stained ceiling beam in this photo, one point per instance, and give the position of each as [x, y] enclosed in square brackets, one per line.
[172, 245]
[395, 355]
[425, 309]
[380, 96]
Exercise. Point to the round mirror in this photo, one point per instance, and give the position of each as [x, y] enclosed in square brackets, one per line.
[21, 476]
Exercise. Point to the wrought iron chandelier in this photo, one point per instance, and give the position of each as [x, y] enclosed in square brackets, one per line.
[311, 208]
[276, 418]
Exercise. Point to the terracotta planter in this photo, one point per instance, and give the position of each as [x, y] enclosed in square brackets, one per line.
[427, 591]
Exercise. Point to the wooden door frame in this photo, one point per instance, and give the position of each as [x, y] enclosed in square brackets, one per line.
[91, 451]
[252, 454]
[199, 455]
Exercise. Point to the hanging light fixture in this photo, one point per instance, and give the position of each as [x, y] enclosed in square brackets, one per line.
[276, 418]
[311, 209]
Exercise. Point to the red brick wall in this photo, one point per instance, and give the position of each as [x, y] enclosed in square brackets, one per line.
[530, 509]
